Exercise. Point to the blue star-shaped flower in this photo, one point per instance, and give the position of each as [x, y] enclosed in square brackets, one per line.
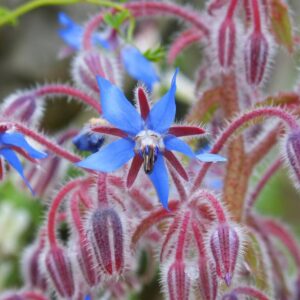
[134, 62]
[147, 137]
[71, 33]
[10, 141]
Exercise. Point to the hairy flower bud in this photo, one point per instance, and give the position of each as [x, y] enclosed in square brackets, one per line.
[87, 65]
[59, 269]
[32, 274]
[207, 282]
[256, 53]
[107, 240]
[226, 43]
[22, 106]
[178, 282]
[293, 154]
[86, 263]
[225, 245]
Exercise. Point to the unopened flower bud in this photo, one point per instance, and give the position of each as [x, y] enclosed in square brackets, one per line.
[87, 65]
[107, 240]
[226, 43]
[59, 270]
[178, 281]
[256, 53]
[293, 154]
[31, 269]
[225, 246]
[88, 141]
[207, 281]
[22, 106]
[86, 263]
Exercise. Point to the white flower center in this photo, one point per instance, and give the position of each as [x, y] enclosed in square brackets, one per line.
[147, 144]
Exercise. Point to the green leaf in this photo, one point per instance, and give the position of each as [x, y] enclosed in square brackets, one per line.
[155, 54]
[281, 24]
[117, 19]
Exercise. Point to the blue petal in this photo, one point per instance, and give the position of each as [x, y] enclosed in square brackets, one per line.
[87, 297]
[159, 178]
[209, 157]
[138, 67]
[72, 33]
[117, 109]
[14, 161]
[175, 144]
[17, 139]
[111, 157]
[162, 114]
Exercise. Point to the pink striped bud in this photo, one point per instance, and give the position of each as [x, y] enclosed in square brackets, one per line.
[32, 274]
[207, 282]
[87, 65]
[86, 263]
[293, 154]
[22, 106]
[107, 240]
[256, 53]
[178, 282]
[226, 43]
[59, 269]
[225, 244]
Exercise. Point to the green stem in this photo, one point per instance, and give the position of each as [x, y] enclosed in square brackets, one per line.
[23, 9]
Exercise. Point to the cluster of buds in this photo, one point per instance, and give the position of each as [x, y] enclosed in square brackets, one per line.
[199, 228]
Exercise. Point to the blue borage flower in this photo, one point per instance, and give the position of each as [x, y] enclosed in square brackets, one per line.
[134, 62]
[71, 33]
[10, 141]
[147, 137]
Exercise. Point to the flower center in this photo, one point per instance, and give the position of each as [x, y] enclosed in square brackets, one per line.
[148, 143]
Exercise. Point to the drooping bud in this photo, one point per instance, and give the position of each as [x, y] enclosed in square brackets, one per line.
[32, 274]
[107, 240]
[226, 43]
[207, 282]
[59, 269]
[87, 65]
[88, 141]
[22, 106]
[178, 282]
[225, 246]
[256, 52]
[86, 263]
[293, 154]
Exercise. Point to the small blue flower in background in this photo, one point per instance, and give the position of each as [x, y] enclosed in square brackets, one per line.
[134, 62]
[138, 67]
[147, 137]
[10, 141]
[71, 33]
[87, 297]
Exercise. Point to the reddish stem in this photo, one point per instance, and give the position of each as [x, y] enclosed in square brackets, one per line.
[55, 205]
[184, 40]
[256, 16]
[141, 9]
[61, 89]
[286, 238]
[249, 291]
[198, 238]
[261, 184]
[30, 295]
[75, 201]
[102, 189]
[231, 9]
[236, 124]
[219, 211]
[182, 236]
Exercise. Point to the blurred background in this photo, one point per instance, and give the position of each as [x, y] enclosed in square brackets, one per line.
[29, 56]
